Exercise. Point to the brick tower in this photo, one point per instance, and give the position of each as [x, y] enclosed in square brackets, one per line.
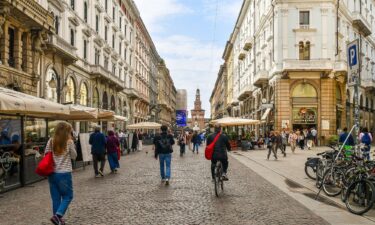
[197, 114]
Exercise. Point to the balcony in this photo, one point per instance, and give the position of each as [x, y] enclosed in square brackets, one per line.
[101, 73]
[62, 49]
[30, 13]
[307, 65]
[242, 55]
[131, 92]
[248, 44]
[260, 78]
[245, 92]
[369, 85]
[361, 23]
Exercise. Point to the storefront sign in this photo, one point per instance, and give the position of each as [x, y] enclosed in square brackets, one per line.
[304, 115]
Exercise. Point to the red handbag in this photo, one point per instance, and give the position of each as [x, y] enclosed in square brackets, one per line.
[209, 151]
[46, 165]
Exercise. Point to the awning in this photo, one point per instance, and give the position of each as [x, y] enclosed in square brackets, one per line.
[116, 118]
[234, 121]
[265, 114]
[14, 102]
[144, 125]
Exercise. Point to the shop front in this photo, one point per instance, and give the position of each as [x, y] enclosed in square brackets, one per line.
[304, 117]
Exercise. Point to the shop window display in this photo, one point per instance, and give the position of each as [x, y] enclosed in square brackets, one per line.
[10, 151]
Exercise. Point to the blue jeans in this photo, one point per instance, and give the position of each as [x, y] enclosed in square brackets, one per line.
[366, 152]
[195, 146]
[61, 188]
[113, 160]
[165, 165]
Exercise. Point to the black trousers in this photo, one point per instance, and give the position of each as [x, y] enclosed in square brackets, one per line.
[224, 162]
[95, 159]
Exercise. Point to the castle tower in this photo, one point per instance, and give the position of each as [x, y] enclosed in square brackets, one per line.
[197, 114]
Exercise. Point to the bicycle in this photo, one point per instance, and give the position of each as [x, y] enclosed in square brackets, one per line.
[218, 179]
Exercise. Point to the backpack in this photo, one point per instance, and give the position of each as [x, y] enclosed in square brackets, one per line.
[366, 139]
[165, 144]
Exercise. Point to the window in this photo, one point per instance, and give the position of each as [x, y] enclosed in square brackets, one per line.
[106, 63]
[97, 23]
[70, 93]
[85, 11]
[51, 91]
[304, 19]
[119, 72]
[95, 99]
[83, 94]
[113, 41]
[120, 45]
[106, 5]
[304, 50]
[113, 69]
[113, 13]
[72, 37]
[125, 31]
[85, 49]
[57, 24]
[125, 51]
[11, 59]
[120, 22]
[97, 57]
[105, 33]
[72, 4]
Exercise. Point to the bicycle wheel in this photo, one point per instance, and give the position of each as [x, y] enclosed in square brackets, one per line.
[360, 197]
[330, 183]
[218, 179]
[310, 172]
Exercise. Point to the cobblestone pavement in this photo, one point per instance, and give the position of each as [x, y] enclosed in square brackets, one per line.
[136, 196]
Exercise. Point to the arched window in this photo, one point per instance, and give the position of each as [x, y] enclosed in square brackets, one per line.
[125, 110]
[51, 86]
[70, 92]
[304, 91]
[366, 103]
[113, 103]
[95, 98]
[85, 13]
[105, 100]
[83, 92]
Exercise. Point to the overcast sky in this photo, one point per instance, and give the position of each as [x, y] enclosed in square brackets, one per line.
[191, 35]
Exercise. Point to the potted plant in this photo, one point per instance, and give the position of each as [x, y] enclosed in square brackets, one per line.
[233, 139]
[333, 140]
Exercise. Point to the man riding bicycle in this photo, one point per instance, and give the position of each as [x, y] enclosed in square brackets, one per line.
[220, 151]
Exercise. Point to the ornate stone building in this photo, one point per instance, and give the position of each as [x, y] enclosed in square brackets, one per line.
[289, 64]
[93, 53]
[197, 114]
[166, 96]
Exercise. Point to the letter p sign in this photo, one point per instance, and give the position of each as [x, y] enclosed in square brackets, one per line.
[353, 55]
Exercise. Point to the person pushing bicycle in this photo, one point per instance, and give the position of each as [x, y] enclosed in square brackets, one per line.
[220, 151]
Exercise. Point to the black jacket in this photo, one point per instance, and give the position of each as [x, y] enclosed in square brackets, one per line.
[158, 148]
[221, 146]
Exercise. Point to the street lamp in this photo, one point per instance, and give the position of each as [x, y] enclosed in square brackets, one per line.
[55, 83]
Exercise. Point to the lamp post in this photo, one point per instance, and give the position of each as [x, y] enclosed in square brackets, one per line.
[55, 82]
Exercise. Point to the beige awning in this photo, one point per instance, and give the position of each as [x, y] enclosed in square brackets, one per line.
[79, 112]
[265, 114]
[234, 121]
[15, 102]
[144, 125]
[115, 118]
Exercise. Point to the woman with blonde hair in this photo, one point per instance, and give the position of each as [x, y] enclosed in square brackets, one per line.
[60, 181]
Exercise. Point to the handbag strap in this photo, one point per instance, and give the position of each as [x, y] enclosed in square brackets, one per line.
[216, 138]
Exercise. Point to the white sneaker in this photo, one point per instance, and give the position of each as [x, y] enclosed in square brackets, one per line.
[166, 181]
[225, 177]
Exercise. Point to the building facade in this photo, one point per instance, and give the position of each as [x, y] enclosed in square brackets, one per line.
[181, 99]
[218, 99]
[197, 114]
[290, 64]
[92, 53]
[166, 96]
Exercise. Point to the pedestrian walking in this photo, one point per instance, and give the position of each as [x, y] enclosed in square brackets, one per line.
[189, 138]
[271, 145]
[135, 142]
[279, 143]
[304, 132]
[301, 139]
[314, 133]
[60, 181]
[196, 142]
[113, 145]
[182, 143]
[284, 141]
[366, 138]
[140, 140]
[310, 140]
[163, 149]
[98, 144]
[293, 140]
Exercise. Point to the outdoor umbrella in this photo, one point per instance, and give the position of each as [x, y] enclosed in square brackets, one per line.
[234, 121]
[144, 125]
[15, 102]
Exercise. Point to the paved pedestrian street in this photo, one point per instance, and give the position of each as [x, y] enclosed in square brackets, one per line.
[136, 196]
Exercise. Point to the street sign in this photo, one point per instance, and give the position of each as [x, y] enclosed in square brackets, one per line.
[353, 60]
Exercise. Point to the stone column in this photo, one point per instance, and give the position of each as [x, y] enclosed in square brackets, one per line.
[328, 105]
[18, 48]
[4, 44]
[28, 67]
[282, 103]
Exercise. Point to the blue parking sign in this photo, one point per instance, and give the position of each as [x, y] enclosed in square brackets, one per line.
[353, 56]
